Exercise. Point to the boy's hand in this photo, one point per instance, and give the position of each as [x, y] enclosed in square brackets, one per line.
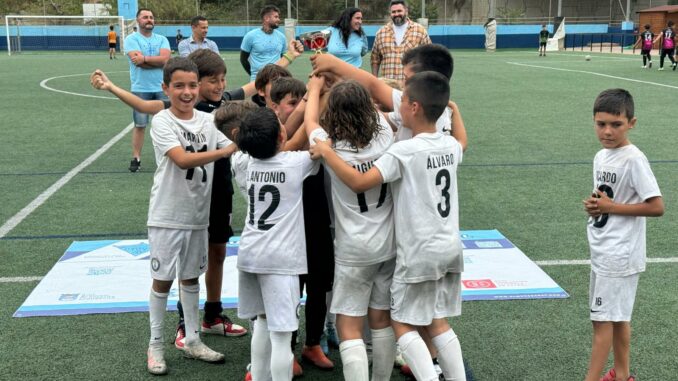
[319, 148]
[317, 82]
[295, 48]
[99, 80]
[322, 63]
[599, 203]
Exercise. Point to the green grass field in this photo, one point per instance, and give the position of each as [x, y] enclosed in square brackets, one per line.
[527, 168]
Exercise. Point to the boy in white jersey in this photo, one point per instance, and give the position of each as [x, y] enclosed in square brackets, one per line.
[364, 233]
[426, 287]
[272, 251]
[625, 192]
[186, 142]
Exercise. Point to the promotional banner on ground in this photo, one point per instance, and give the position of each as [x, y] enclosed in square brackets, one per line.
[113, 276]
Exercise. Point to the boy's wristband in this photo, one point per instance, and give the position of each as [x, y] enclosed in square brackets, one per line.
[288, 57]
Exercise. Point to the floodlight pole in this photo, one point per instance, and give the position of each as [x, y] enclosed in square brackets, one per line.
[560, 8]
[289, 9]
[628, 9]
[423, 8]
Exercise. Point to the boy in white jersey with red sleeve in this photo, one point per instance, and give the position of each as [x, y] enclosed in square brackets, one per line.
[186, 143]
[272, 251]
[426, 287]
[364, 245]
[625, 192]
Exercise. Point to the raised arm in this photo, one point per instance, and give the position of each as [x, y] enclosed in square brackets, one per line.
[294, 50]
[312, 110]
[358, 182]
[380, 91]
[100, 81]
[458, 129]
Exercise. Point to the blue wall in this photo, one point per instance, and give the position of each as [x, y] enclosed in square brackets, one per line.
[229, 37]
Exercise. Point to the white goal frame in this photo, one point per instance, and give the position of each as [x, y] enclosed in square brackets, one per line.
[119, 20]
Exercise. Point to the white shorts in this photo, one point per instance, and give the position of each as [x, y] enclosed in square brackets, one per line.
[177, 253]
[612, 298]
[273, 295]
[358, 287]
[420, 303]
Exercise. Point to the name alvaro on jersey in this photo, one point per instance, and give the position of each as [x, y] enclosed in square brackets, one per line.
[437, 161]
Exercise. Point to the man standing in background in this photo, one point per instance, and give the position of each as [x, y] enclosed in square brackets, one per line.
[198, 38]
[393, 39]
[265, 45]
[147, 53]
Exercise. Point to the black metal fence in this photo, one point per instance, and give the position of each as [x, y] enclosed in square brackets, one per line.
[600, 42]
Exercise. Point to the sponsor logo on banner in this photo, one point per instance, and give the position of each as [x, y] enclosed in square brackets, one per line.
[96, 271]
[479, 283]
[68, 297]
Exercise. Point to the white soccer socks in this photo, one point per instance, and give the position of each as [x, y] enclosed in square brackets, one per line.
[157, 305]
[261, 351]
[189, 300]
[281, 356]
[354, 358]
[383, 353]
[449, 355]
[417, 356]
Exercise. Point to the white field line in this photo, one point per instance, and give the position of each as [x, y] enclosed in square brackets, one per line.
[28, 209]
[560, 262]
[25, 279]
[43, 84]
[594, 73]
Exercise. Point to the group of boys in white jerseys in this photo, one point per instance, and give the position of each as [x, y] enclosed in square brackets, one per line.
[394, 192]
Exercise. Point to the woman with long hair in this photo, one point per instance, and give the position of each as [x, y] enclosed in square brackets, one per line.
[348, 41]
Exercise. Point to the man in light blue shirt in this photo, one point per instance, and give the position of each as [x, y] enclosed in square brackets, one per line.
[147, 53]
[265, 45]
[198, 39]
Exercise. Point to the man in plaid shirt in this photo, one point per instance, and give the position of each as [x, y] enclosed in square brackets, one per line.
[393, 39]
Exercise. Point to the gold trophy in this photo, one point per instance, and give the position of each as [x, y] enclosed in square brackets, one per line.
[316, 40]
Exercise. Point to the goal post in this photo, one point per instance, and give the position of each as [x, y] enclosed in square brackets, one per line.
[26, 33]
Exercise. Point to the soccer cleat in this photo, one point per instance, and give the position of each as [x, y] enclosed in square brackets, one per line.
[660, 69]
[315, 356]
[223, 326]
[674, 66]
[649, 65]
[248, 376]
[200, 351]
[644, 67]
[156, 362]
[180, 339]
[609, 376]
[134, 165]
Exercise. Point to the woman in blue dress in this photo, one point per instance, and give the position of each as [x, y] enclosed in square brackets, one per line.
[348, 41]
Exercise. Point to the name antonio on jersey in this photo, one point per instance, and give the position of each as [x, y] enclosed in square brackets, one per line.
[267, 177]
[437, 161]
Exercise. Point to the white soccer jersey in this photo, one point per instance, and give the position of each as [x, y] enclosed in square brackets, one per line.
[617, 242]
[273, 240]
[422, 172]
[180, 198]
[443, 124]
[239, 161]
[364, 230]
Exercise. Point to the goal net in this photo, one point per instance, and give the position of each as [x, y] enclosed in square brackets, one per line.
[26, 33]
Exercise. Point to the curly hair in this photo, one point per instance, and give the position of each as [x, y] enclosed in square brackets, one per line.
[350, 114]
[343, 23]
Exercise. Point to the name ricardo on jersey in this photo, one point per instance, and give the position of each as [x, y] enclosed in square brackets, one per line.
[267, 177]
[437, 161]
[194, 138]
[606, 177]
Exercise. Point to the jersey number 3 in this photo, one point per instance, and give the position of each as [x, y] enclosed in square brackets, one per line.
[444, 206]
[275, 201]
